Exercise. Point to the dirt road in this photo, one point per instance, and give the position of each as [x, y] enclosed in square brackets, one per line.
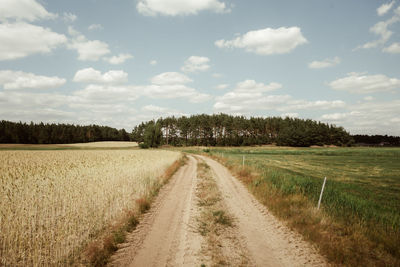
[168, 234]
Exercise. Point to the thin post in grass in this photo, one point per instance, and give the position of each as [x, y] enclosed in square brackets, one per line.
[322, 191]
[243, 162]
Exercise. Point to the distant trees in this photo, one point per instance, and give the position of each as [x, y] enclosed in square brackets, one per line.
[12, 132]
[377, 140]
[227, 130]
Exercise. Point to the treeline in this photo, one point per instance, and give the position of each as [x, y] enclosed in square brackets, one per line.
[227, 130]
[376, 140]
[23, 133]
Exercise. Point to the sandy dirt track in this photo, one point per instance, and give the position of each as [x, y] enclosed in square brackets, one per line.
[167, 235]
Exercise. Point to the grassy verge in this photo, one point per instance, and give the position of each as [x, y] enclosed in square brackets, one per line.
[98, 252]
[358, 223]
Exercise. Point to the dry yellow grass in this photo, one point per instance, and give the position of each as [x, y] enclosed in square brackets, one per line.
[53, 202]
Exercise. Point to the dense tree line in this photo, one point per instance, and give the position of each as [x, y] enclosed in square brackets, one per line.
[377, 140]
[227, 130]
[12, 132]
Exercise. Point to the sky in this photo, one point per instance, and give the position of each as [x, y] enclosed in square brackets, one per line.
[121, 62]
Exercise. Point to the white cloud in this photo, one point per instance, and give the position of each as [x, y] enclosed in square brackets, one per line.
[369, 118]
[217, 75]
[121, 58]
[93, 27]
[169, 85]
[334, 116]
[267, 41]
[381, 29]
[97, 94]
[28, 10]
[195, 64]
[251, 86]
[363, 84]
[249, 97]
[153, 62]
[294, 104]
[179, 7]
[221, 86]
[368, 98]
[326, 63]
[69, 17]
[90, 75]
[87, 50]
[14, 80]
[392, 49]
[19, 40]
[170, 78]
[384, 8]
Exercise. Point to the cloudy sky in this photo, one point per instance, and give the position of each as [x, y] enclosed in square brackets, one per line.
[121, 62]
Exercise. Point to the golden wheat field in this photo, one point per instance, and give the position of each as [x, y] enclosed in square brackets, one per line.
[53, 202]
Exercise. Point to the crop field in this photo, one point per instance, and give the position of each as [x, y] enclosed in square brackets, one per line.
[53, 202]
[362, 192]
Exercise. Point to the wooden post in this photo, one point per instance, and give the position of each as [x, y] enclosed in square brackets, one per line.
[243, 162]
[322, 191]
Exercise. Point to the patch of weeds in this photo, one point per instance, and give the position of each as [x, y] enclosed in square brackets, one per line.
[221, 217]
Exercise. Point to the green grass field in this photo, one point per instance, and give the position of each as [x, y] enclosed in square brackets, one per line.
[362, 192]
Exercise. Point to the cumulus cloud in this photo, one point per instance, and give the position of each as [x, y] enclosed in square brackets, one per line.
[121, 58]
[87, 50]
[195, 64]
[90, 75]
[267, 41]
[369, 118]
[153, 62]
[384, 8]
[14, 80]
[392, 49]
[101, 93]
[364, 84]
[169, 85]
[170, 78]
[27, 10]
[93, 27]
[179, 7]
[18, 40]
[249, 97]
[326, 63]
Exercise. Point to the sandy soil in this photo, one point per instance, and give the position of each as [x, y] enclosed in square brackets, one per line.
[168, 236]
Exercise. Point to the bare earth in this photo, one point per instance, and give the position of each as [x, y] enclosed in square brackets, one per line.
[168, 236]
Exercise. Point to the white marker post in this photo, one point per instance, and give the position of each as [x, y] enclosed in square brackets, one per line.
[243, 162]
[322, 191]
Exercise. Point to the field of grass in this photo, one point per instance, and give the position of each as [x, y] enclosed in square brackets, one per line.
[52, 203]
[359, 219]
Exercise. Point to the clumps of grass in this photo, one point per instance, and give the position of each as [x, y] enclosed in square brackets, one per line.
[222, 218]
[214, 219]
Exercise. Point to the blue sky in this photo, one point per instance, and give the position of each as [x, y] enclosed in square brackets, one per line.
[121, 62]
